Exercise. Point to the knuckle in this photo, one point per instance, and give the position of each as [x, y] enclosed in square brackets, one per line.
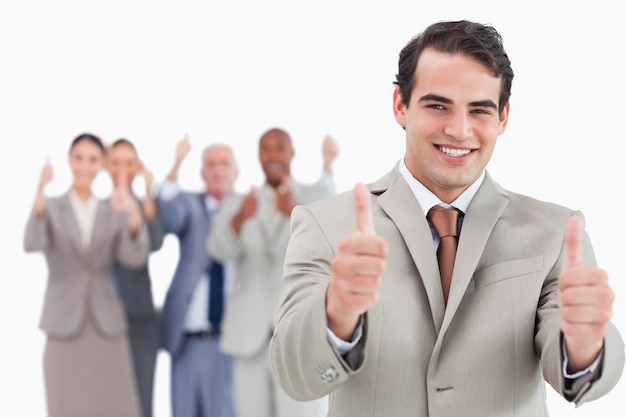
[335, 267]
[344, 245]
[603, 276]
[382, 266]
[606, 315]
[607, 296]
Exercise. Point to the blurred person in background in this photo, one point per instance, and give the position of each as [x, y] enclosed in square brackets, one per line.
[87, 360]
[133, 283]
[253, 230]
[201, 375]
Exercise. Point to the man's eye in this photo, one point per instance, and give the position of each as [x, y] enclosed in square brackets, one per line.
[481, 111]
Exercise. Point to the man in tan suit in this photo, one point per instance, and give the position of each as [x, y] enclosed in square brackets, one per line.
[365, 317]
[252, 231]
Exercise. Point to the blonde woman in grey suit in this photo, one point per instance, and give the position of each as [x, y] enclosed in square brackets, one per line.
[87, 361]
[133, 285]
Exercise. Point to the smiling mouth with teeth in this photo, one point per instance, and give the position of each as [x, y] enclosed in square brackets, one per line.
[454, 152]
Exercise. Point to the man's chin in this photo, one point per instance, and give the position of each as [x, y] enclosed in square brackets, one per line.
[274, 183]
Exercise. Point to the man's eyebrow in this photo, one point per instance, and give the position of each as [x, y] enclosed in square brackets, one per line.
[435, 97]
[441, 99]
[484, 103]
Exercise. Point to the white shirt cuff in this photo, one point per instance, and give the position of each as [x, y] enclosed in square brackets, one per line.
[168, 191]
[589, 369]
[341, 345]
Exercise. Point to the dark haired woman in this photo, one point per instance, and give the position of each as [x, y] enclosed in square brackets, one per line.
[87, 362]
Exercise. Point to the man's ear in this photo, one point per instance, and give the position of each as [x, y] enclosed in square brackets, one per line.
[504, 117]
[399, 109]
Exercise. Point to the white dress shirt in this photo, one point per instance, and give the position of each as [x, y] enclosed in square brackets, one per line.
[197, 318]
[85, 214]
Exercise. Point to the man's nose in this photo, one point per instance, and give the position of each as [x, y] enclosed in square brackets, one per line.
[459, 126]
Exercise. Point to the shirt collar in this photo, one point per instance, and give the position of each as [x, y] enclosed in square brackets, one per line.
[427, 199]
[212, 204]
[89, 205]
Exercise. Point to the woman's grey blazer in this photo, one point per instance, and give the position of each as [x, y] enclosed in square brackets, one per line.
[79, 279]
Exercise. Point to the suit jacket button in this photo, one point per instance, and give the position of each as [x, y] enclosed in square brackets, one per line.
[330, 374]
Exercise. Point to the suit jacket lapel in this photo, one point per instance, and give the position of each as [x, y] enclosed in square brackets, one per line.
[71, 226]
[103, 221]
[205, 209]
[398, 202]
[482, 215]
[269, 220]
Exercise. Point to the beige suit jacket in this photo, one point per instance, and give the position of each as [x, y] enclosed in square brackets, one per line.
[79, 280]
[258, 252]
[483, 355]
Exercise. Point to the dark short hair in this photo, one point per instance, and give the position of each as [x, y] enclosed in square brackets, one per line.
[90, 138]
[477, 41]
[278, 132]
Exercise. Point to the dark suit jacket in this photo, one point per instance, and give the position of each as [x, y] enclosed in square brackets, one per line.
[485, 354]
[134, 285]
[79, 280]
[185, 216]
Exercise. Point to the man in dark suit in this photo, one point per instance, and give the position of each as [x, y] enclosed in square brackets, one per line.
[374, 315]
[201, 376]
[133, 284]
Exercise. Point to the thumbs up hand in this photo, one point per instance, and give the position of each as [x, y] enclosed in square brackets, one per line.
[182, 148]
[121, 198]
[330, 151]
[585, 301]
[46, 175]
[246, 211]
[356, 270]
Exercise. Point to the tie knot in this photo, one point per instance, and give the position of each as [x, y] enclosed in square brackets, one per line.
[444, 220]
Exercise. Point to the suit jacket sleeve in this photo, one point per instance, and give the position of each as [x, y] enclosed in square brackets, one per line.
[323, 188]
[549, 342]
[36, 234]
[304, 362]
[173, 213]
[156, 234]
[132, 252]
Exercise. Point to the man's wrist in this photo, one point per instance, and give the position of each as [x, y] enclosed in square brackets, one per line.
[580, 358]
[341, 323]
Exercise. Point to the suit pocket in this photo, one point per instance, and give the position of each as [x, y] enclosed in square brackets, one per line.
[507, 270]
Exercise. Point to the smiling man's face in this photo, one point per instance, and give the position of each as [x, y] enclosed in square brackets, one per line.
[275, 154]
[452, 122]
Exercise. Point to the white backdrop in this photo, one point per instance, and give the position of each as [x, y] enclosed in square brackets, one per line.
[152, 71]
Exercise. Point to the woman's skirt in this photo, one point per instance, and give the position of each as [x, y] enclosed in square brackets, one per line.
[90, 375]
